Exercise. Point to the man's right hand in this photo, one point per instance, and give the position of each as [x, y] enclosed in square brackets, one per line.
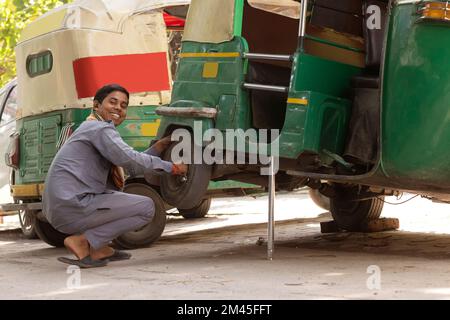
[179, 169]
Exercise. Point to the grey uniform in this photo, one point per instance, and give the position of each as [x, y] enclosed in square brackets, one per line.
[78, 196]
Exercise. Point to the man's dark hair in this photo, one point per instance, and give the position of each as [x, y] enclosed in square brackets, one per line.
[103, 92]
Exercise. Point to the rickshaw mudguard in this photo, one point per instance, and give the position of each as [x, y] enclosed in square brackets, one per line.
[213, 73]
[324, 120]
[415, 102]
[317, 115]
[196, 125]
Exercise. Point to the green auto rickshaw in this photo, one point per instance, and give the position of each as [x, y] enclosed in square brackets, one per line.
[359, 91]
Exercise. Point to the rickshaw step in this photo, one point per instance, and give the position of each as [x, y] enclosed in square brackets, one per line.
[377, 225]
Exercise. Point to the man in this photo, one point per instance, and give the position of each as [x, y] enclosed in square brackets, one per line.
[81, 196]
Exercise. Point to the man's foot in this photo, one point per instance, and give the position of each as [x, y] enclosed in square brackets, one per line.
[78, 245]
[101, 253]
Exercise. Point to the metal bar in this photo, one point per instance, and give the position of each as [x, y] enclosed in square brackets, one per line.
[187, 112]
[302, 24]
[271, 223]
[263, 56]
[8, 213]
[254, 86]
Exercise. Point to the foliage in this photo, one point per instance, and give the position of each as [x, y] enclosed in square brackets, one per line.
[14, 16]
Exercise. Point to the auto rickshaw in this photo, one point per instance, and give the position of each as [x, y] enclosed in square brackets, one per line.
[358, 89]
[63, 57]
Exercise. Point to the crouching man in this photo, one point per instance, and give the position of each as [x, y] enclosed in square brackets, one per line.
[82, 195]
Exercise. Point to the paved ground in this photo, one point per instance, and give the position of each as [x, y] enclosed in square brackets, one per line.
[223, 257]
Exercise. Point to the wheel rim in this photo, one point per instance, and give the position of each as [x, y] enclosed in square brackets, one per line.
[26, 220]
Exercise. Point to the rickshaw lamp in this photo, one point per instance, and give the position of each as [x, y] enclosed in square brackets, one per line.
[435, 11]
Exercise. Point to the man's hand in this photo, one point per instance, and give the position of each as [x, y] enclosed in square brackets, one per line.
[179, 169]
[162, 144]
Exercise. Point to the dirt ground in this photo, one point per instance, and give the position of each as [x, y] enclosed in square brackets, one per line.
[223, 256]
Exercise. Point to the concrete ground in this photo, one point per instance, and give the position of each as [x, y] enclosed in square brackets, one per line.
[223, 256]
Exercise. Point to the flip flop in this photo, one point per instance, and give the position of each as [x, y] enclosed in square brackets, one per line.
[86, 262]
[118, 255]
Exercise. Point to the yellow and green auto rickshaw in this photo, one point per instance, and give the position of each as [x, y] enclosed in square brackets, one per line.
[358, 89]
[63, 57]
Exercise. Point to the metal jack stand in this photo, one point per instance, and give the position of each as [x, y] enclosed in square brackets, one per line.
[271, 223]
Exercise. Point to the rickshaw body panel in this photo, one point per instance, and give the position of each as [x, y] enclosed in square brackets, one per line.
[416, 101]
[221, 89]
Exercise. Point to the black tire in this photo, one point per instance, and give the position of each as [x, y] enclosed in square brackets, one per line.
[49, 235]
[185, 192]
[27, 220]
[151, 231]
[319, 199]
[197, 212]
[349, 213]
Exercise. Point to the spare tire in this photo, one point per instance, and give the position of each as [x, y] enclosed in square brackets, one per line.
[48, 234]
[152, 231]
[185, 192]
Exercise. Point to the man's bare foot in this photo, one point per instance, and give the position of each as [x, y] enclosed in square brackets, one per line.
[101, 253]
[78, 245]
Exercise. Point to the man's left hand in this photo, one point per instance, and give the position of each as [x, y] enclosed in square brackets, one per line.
[162, 144]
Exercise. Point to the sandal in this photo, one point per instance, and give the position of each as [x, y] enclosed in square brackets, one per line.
[118, 255]
[86, 262]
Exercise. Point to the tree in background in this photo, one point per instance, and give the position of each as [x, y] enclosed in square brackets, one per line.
[14, 16]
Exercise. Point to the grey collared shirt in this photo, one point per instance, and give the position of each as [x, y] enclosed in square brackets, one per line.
[81, 169]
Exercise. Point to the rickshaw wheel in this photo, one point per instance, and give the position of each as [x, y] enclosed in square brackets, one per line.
[185, 192]
[27, 220]
[350, 213]
[48, 234]
[197, 212]
[151, 231]
[319, 199]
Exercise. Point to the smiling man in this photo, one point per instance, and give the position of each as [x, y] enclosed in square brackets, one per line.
[82, 195]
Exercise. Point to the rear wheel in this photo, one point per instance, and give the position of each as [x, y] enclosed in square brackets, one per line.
[27, 219]
[185, 192]
[197, 212]
[48, 234]
[151, 231]
[349, 212]
[319, 199]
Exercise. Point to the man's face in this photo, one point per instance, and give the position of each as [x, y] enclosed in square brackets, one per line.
[113, 107]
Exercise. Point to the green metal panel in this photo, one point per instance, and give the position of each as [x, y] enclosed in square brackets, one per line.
[238, 15]
[38, 147]
[416, 95]
[322, 124]
[230, 184]
[191, 85]
[317, 74]
[140, 126]
[226, 111]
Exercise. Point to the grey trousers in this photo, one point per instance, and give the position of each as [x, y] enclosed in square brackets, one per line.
[116, 214]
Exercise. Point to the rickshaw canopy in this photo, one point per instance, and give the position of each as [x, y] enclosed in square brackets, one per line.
[79, 47]
[219, 24]
[103, 15]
